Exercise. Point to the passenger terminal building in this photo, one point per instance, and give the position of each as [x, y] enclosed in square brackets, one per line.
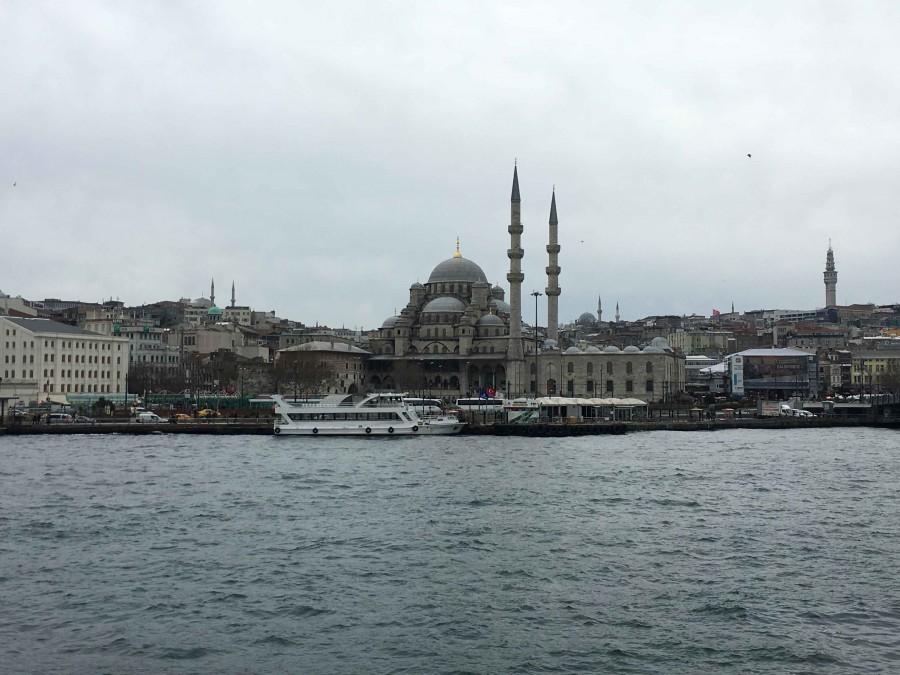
[458, 336]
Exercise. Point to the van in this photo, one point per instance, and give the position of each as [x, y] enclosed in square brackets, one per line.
[147, 418]
[55, 418]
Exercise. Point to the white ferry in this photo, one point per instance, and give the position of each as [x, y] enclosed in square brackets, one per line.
[372, 415]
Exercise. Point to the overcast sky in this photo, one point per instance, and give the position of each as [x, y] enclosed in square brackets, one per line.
[327, 155]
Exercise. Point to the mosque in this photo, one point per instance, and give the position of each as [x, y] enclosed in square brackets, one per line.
[458, 336]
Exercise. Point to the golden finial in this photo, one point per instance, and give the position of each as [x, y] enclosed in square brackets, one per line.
[457, 254]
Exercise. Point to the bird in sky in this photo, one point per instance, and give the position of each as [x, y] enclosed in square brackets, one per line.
[14, 184]
[749, 155]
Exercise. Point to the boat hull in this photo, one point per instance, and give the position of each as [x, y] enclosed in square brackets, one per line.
[324, 430]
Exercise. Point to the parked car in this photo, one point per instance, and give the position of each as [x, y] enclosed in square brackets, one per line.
[209, 412]
[81, 419]
[180, 417]
[147, 418]
[57, 418]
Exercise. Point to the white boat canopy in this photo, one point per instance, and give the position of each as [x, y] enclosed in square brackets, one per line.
[549, 401]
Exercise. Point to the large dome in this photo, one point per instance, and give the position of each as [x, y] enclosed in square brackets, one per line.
[444, 304]
[457, 269]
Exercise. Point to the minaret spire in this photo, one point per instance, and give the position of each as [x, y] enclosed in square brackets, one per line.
[457, 254]
[830, 276]
[233, 303]
[553, 290]
[599, 309]
[212, 291]
[617, 312]
[515, 353]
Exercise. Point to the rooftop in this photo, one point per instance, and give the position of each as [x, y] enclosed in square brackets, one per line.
[49, 326]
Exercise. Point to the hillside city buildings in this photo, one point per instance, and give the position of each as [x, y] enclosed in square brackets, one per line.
[456, 336]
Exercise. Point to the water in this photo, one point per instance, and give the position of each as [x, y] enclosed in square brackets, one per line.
[726, 552]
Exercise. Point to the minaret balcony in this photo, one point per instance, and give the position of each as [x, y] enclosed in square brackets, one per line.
[515, 253]
[553, 291]
[515, 228]
[552, 248]
[515, 277]
[553, 270]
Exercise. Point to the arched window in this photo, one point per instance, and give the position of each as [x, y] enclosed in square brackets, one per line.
[649, 367]
[533, 369]
[628, 368]
[609, 367]
[590, 368]
[570, 368]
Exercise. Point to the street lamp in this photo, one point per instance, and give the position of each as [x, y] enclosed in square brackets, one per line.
[537, 370]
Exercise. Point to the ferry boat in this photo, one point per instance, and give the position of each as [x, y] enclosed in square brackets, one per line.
[382, 414]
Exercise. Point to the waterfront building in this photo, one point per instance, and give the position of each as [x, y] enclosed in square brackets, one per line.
[654, 373]
[874, 372]
[321, 367]
[60, 358]
[776, 373]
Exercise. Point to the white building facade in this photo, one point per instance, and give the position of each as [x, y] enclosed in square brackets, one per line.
[61, 359]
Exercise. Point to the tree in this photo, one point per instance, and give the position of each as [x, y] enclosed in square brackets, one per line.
[304, 374]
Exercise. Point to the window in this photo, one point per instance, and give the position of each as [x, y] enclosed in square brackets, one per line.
[628, 368]
[570, 368]
[629, 386]
[609, 386]
[649, 386]
[649, 367]
[590, 368]
[589, 385]
[570, 387]
[609, 367]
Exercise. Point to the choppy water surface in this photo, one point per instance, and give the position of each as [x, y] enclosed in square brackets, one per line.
[725, 552]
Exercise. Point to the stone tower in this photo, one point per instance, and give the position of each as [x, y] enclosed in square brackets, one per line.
[212, 292]
[515, 279]
[599, 309]
[830, 278]
[553, 290]
[617, 312]
[232, 293]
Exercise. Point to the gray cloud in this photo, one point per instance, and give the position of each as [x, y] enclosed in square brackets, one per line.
[325, 156]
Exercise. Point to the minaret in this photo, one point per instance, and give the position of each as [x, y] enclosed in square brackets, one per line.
[212, 292]
[515, 279]
[599, 309]
[830, 278]
[553, 270]
[232, 293]
[617, 312]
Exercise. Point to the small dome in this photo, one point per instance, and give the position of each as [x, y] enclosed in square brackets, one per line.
[416, 286]
[550, 344]
[586, 319]
[631, 349]
[445, 304]
[214, 311]
[500, 306]
[592, 349]
[390, 322]
[497, 291]
[490, 320]
[611, 349]
[650, 349]
[661, 343]
[457, 269]
[572, 350]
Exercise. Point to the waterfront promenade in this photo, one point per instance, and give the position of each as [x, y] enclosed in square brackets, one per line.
[549, 429]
